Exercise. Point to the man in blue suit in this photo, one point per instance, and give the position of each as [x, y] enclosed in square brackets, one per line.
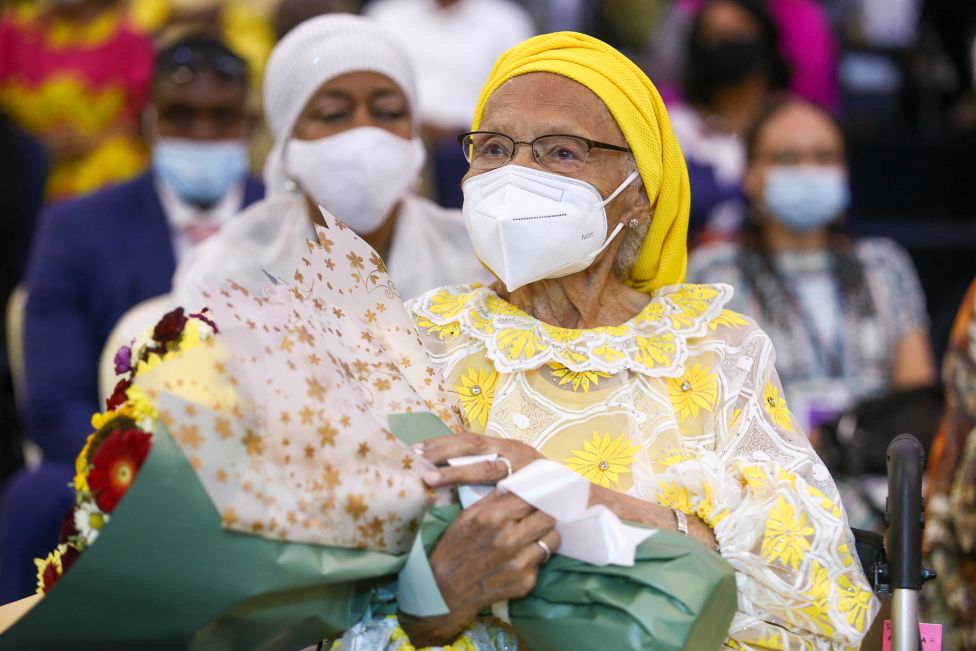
[96, 257]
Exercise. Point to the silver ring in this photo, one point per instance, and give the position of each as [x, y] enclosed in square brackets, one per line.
[545, 548]
[508, 464]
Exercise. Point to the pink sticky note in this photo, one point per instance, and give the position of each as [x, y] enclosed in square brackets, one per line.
[931, 636]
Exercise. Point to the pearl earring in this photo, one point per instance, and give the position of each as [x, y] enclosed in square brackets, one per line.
[634, 223]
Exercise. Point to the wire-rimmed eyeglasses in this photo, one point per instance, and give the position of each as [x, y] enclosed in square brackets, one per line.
[560, 153]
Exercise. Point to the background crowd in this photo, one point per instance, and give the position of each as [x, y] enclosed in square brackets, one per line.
[831, 149]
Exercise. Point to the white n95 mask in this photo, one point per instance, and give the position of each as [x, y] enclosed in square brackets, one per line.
[357, 175]
[527, 225]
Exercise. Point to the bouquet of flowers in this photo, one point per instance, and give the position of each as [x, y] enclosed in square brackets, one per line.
[113, 454]
[251, 487]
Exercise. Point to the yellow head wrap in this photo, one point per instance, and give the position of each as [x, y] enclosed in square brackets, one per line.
[637, 107]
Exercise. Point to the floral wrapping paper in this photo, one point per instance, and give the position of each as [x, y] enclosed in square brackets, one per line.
[282, 414]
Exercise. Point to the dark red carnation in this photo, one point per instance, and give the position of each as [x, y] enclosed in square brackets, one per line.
[68, 558]
[115, 464]
[117, 399]
[170, 327]
[68, 529]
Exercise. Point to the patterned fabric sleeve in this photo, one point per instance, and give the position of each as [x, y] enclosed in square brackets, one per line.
[777, 518]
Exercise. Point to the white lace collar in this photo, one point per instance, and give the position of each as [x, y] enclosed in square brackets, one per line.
[653, 343]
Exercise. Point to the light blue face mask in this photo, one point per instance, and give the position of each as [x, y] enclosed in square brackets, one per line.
[806, 197]
[199, 171]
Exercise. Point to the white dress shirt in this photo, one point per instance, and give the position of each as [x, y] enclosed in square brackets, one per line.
[190, 225]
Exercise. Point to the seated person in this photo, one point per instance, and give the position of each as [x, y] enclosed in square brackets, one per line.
[339, 99]
[847, 317]
[589, 350]
[79, 284]
[733, 66]
[950, 527]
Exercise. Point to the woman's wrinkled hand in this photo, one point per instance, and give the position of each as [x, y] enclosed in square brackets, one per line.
[439, 450]
[490, 553]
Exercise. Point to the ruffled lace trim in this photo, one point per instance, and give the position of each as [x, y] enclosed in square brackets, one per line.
[653, 343]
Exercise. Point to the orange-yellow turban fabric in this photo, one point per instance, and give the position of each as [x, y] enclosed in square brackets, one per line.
[637, 107]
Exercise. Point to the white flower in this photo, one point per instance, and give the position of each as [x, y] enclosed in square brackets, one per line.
[89, 520]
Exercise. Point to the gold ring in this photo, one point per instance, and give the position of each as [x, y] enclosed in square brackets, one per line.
[545, 548]
[508, 464]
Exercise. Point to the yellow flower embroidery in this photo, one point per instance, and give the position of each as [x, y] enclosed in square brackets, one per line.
[655, 350]
[612, 331]
[653, 312]
[450, 330]
[772, 641]
[819, 593]
[785, 539]
[728, 319]
[496, 305]
[845, 555]
[853, 600]
[477, 390]
[828, 505]
[675, 497]
[691, 301]
[706, 507]
[755, 478]
[697, 389]
[480, 322]
[518, 343]
[561, 335]
[775, 404]
[576, 379]
[602, 461]
[446, 305]
[607, 353]
[735, 418]
[677, 457]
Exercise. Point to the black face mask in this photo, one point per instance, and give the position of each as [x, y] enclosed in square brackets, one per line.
[731, 62]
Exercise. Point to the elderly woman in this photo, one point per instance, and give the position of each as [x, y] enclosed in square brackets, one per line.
[588, 350]
[340, 100]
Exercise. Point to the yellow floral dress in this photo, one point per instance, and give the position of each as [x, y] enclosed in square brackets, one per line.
[681, 406]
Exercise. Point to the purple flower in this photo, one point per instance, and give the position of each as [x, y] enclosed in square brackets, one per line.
[123, 360]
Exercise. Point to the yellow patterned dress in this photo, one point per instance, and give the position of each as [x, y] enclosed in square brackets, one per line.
[681, 406]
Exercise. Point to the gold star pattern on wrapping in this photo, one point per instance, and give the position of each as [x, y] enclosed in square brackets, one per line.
[286, 418]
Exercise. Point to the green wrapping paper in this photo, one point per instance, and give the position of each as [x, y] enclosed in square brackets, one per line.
[679, 595]
[164, 574]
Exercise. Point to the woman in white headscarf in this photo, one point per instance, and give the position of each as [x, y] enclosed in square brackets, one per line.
[339, 99]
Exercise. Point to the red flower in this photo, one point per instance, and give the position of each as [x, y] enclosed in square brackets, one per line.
[115, 464]
[50, 576]
[68, 529]
[117, 399]
[68, 558]
[170, 327]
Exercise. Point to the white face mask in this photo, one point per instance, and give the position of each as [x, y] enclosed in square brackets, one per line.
[357, 175]
[527, 224]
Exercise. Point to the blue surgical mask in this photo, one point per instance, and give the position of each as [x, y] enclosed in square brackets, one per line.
[806, 197]
[199, 171]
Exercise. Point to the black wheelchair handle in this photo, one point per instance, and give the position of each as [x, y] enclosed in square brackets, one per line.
[906, 460]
